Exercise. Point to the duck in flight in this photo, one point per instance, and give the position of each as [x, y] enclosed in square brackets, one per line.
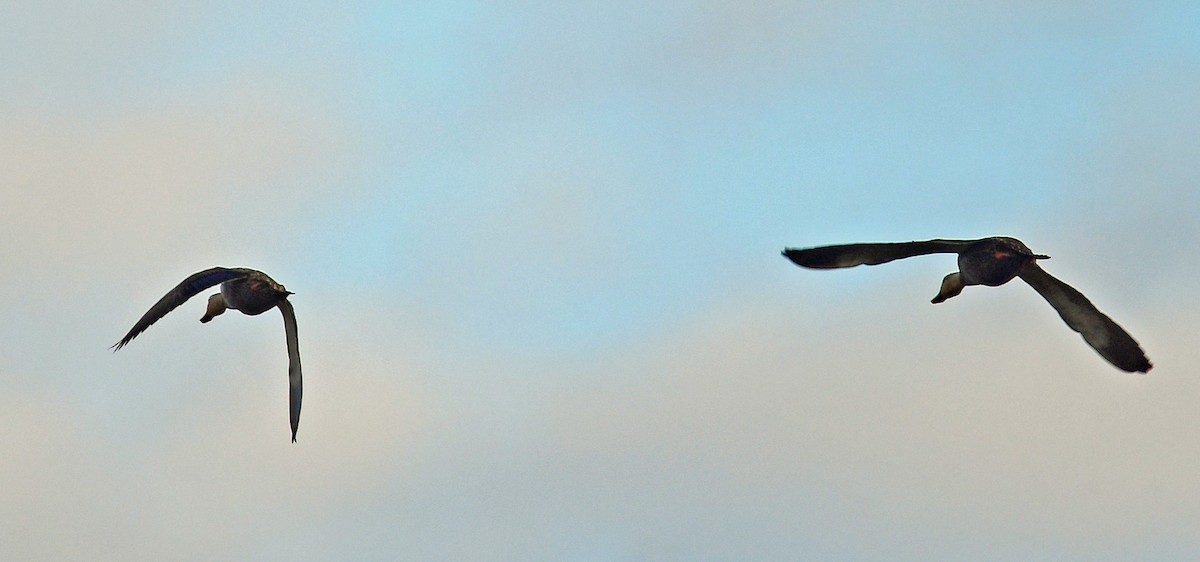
[993, 262]
[250, 291]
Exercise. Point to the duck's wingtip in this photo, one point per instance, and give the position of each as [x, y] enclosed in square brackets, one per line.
[794, 255]
[1138, 368]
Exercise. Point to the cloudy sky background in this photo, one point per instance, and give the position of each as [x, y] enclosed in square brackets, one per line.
[542, 311]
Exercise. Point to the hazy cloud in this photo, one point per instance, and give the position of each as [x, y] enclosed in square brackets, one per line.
[541, 309]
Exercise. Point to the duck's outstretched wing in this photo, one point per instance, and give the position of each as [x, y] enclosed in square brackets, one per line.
[177, 296]
[295, 381]
[850, 255]
[1098, 330]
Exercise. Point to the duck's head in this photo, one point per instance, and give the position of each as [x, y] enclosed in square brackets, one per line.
[216, 306]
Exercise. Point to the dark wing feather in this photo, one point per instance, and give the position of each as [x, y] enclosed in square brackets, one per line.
[177, 296]
[1098, 330]
[295, 381]
[850, 255]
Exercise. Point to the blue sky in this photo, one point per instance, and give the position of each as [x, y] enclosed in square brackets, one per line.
[543, 315]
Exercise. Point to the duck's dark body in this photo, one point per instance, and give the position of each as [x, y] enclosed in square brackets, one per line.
[248, 291]
[253, 293]
[993, 261]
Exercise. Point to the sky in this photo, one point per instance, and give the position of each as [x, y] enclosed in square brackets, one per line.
[542, 312]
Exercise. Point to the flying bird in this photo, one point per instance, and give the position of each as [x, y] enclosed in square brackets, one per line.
[250, 291]
[993, 262]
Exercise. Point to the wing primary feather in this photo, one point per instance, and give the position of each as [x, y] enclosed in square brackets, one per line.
[295, 380]
[1110, 340]
[850, 255]
[185, 290]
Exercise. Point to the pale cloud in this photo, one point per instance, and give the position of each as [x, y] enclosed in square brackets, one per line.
[63, 495]
[183, 182]
[993, 426]
[218, 470]
[59, 54]
[763, 411]
[777, 420]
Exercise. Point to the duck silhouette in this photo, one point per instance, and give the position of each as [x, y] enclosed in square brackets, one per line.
[249, 291]
[993, 261]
